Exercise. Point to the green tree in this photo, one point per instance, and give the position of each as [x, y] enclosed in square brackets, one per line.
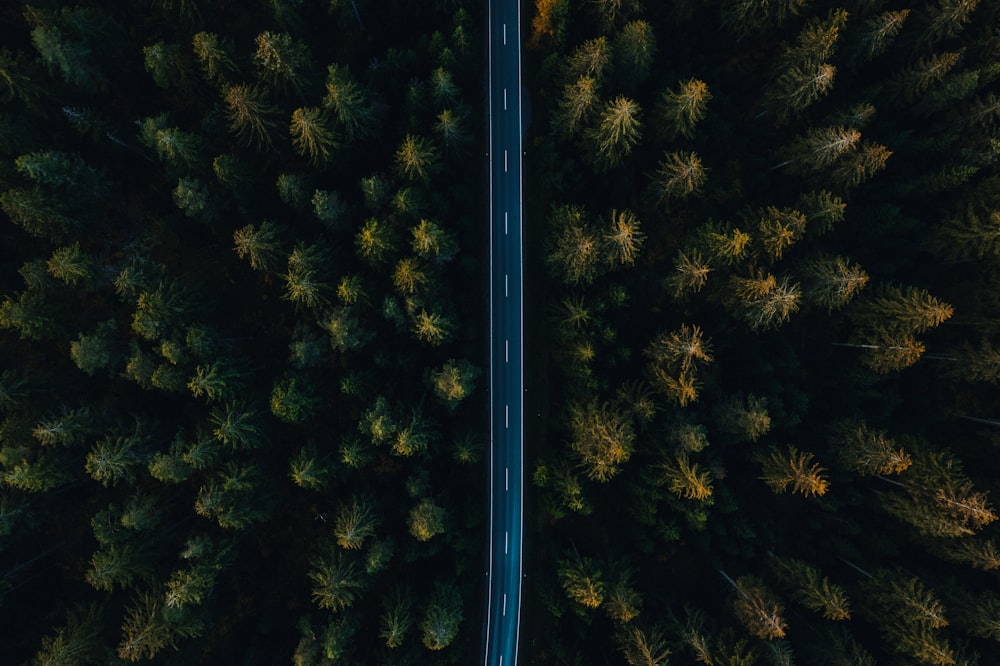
[416, 158]
[618, 130]
[146, 632]
[834, 282]
[217, 381]
[355, 522]
[260, 245]
[454, 381]
[426, 520]
[432, 241]
[868, 451]
[746, 418]
[303, 280]
[212, 55]
[858, 166]
[679, 175]
[643, 647]
[590, 59]
[581, 580]
[433, 328]
[310, 134]
[779, 229]
[576, 105]
[251, 117]
[280, 60]
[684, 108]
[76, 642]
[114, 459]
[167, 64]
[349, 103]
[309, 469]
[812, 589]
[879, 32]
[375, 241]
[97, 351]
[797, 88]
[602, 438]
[690, 273]
[757, 608]
[795, 469]
[237, 425]
[442, 618]
[294, 400]
[904, 310]
[634, 49]
[684, 479]
[397, 620]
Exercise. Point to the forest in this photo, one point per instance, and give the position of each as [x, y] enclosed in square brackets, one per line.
[244, 332]
[241, 339]
[766, 236]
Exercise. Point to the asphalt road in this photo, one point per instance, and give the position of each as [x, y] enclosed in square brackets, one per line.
[503, 603]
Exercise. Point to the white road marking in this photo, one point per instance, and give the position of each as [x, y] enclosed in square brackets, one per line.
[505, 161]
[505, 34]
[504, 99]
[506, 415]
[506, 473]
[506, 539]
[505, 285]
[506, 351]
[505, 604]
[505, 223]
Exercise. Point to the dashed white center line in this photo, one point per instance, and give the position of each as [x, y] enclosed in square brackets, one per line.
[506, 351]
[506, 414]
[505, 604]
[505, 161]
[505, 223]
[506, 539]
[505, 34]
[506, 472]
[504, 99]
[505, 275]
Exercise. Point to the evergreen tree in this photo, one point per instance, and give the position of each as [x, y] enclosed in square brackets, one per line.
[354, 523]
[397, 620]
[251, 117]
[416, 158]
[310, 134]
[426, 520]
[834, 282]
[794, 469]
[260, 245]
[602, 438]
[577, 105]
[757, 608]
[349, 103]
[680, 174]
[281, 60]
[442, 618]
[580, 578]
[684, 108]
[868, 451]
[618, 130]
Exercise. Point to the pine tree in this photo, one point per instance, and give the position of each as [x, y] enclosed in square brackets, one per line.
[576, 105]
[683, 109]
[397, 620]
[634, 49]
[145, 633]
[858, 166]
[618, 130]
[795, 469]
[580, 578]
[914, 81]
[212, 55]
[452, 128]
[354, 523]
[349, 103]
[685, 479]
[690, 273]
[680, 174]
[779, 229]
[454, 381]
[251, 117]
[948, 19]
[622, 602]
[237, 425]
[624, 238]
[879, 32]
[590, 59]
[308, 469]
[602, 438]
[812, 589]
[821, 148]
[375, 241]
[77, 642]
[426, 520]
[260, 245]
[575, 256]
[903, 311]
[442, 618]
[763, 301]
[684, 348]
[834, 282]
[643, 647]
[416, 158]
[433, 328]
[281, 60]
[797, 88]
[311, 136]
[757, 608]
[868, 451]
[746, 418]
[336, 582]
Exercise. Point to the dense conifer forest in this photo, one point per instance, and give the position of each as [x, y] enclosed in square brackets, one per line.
[767, 244]
[241, 336]
[243, 331]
